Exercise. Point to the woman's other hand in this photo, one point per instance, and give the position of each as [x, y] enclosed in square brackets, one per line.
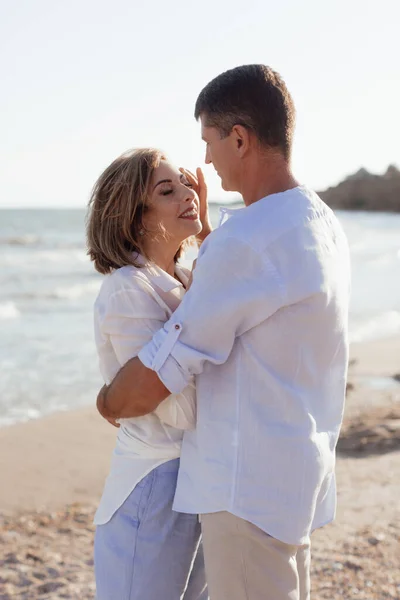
[101, 396]
[200, 187]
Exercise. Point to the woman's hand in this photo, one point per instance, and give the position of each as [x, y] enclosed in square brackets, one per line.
[200, 187]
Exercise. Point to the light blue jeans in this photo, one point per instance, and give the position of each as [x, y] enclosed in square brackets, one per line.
[147, 551]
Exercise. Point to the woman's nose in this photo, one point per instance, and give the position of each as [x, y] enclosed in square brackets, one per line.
[189, 194]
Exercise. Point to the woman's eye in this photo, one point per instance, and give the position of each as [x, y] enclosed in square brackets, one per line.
[166, 192]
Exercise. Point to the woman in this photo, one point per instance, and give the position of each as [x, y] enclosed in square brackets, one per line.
[141, 213]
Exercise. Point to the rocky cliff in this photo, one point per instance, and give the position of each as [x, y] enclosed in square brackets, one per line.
[365, 191]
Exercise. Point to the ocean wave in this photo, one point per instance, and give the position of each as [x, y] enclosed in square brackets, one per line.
[62, 255]
[36, 259]
[384, 325]
[8, 311]
[66, 290]
[21, 240]
[20, 416]
[76, 291]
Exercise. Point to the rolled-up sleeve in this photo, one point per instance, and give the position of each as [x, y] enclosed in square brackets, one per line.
[234, 289]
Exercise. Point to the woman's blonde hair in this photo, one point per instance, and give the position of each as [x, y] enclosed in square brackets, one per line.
[114, 223]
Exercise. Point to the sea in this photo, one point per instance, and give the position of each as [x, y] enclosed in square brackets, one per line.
[48, 286]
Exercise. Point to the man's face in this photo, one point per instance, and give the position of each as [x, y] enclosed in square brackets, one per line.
[221, 153]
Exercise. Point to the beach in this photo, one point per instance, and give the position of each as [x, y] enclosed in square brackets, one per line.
[55, 450]
[112, 129]
[53, 470]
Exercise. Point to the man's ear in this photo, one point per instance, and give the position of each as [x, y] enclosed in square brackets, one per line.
[241, 138]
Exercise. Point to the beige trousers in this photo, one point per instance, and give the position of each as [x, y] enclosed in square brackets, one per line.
[245, 563]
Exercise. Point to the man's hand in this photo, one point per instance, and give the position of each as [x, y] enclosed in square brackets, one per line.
[101, 396]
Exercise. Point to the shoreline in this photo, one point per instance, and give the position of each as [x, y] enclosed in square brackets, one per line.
[64, 457]
[363, 369]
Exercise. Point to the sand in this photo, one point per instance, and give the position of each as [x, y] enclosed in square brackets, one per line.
[60, 459]
[52, 473]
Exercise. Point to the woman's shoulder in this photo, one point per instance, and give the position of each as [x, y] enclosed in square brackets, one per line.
[125, 279]
[128, 291]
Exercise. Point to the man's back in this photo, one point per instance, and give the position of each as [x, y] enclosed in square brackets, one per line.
[269, 416]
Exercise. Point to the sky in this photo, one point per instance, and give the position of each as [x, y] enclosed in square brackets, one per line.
[84, 80]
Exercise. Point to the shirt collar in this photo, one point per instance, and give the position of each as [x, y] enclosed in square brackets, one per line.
[226, 213]
[159, 277]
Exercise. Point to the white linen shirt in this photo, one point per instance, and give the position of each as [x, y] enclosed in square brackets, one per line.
[132, 304]
[264, 329]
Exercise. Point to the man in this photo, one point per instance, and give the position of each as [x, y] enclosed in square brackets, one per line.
[264, 329]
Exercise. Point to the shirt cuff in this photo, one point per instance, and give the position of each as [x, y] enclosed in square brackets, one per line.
[156, 355]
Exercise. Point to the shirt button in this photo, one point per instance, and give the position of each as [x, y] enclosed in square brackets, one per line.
[177, 327]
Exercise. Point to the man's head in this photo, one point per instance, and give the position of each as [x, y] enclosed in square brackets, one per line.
[245, 110]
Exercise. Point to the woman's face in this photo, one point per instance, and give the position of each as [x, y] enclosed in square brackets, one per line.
[173, 205]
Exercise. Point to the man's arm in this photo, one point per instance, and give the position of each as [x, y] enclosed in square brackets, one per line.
[233, 290]
[137, 383]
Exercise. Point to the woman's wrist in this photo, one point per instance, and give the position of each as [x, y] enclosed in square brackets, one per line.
[207, 229]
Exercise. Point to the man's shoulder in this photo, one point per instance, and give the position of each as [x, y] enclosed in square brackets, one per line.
[229, 233]
[263, 221]
[278, 214]
[273, 219]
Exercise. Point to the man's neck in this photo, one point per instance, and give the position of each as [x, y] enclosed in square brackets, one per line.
[265, 176]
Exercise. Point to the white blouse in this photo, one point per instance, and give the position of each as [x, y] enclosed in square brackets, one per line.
[133, 303]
